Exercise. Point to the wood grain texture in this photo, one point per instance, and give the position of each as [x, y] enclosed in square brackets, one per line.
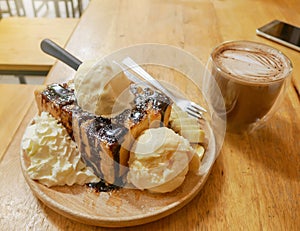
[20, 41]
[15, 101]
[254, 184]
[196, 26]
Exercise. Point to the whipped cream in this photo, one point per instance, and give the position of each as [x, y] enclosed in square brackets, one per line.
[159, 160]
[101, 88]
[54, 159]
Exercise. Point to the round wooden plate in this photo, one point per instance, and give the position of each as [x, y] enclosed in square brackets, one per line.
[120, 208]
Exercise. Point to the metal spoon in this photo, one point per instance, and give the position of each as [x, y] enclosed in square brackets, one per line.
[53, 49]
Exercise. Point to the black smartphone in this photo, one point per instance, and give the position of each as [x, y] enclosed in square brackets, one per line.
[281, 32]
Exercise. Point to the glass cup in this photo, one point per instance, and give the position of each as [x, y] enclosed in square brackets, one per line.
[252, 78]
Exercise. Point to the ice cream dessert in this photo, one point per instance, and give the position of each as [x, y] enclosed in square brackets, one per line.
[112, 144]
[54, 159]
[102, 89]
[159, 160]
[104, 143]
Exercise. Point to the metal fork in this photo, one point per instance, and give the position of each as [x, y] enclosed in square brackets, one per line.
[188, 106]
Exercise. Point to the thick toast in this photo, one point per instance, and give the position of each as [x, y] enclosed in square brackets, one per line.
[104, 143]
[59, 100]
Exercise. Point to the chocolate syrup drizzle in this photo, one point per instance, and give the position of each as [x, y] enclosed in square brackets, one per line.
[110, 130]
[60, 94]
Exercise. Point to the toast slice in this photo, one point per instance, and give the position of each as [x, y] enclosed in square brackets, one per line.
[59, 100]
[104, 143]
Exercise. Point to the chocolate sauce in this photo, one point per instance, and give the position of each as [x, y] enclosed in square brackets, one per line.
[102, 130]
[105, 130]
[93, 159]
[161, 102]
[148, 98]
[121, 118]
[102, 186]
[59, 101]
[60, 94]
[137, 115]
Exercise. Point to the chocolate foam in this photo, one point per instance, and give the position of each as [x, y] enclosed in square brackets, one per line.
[252, 62]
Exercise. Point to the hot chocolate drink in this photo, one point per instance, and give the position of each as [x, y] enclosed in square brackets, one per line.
[251, 77]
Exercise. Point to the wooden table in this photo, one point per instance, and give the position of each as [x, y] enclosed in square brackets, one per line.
[20, 52]
[15, 101]
[255, 182]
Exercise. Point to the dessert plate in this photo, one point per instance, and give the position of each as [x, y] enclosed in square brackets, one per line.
[123, 207]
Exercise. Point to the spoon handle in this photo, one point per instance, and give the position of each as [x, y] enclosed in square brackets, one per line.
[53, 49]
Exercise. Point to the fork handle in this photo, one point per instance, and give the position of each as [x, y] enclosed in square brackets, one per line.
[145, 75]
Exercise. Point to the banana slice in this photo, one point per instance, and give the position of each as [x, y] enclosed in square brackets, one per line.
[193, 135]
[190, 129]
[197, 157]
[186, 126]
[181, 122]
[177, 113]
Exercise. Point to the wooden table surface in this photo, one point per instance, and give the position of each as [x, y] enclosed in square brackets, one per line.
[15, 101]
[255, 182]
[20, 42]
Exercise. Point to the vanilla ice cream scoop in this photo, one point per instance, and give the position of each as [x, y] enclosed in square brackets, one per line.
[101, 88]
[159, 160]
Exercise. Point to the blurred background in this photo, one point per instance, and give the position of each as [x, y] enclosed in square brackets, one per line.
[38, 9]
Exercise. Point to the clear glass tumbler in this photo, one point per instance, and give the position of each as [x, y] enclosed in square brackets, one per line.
[252, 78]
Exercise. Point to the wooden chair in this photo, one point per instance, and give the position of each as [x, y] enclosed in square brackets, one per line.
[70, 7]
[12, 8]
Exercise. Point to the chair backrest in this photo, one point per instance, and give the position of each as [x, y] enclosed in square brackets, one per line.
[70, 7]
[12, 8]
